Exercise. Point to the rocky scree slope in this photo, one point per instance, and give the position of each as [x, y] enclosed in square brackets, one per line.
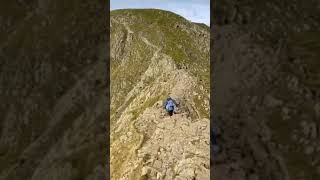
[155, 53]
[266, 89]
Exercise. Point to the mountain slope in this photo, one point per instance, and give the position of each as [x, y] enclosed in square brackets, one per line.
[154, 54]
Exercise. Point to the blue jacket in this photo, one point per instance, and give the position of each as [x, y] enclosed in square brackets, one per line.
[170, 105]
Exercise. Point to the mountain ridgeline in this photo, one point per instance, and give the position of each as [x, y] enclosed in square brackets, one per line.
[156, 54]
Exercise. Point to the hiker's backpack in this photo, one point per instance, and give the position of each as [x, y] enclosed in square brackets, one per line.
[170, 105]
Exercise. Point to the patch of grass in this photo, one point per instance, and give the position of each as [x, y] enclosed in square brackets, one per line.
[136, 65]
[200, 107]
[123, 153]
[147, 104]
[160, 28]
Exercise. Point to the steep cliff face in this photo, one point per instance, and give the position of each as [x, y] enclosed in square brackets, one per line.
[265, 78]
[53, 90]
[155, 54]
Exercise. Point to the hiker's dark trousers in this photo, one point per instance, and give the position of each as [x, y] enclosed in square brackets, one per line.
[170, 113]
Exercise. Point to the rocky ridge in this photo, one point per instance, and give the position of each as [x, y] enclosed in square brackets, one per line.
[145, 143]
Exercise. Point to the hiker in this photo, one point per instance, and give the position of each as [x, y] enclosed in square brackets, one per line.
[170, 106]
